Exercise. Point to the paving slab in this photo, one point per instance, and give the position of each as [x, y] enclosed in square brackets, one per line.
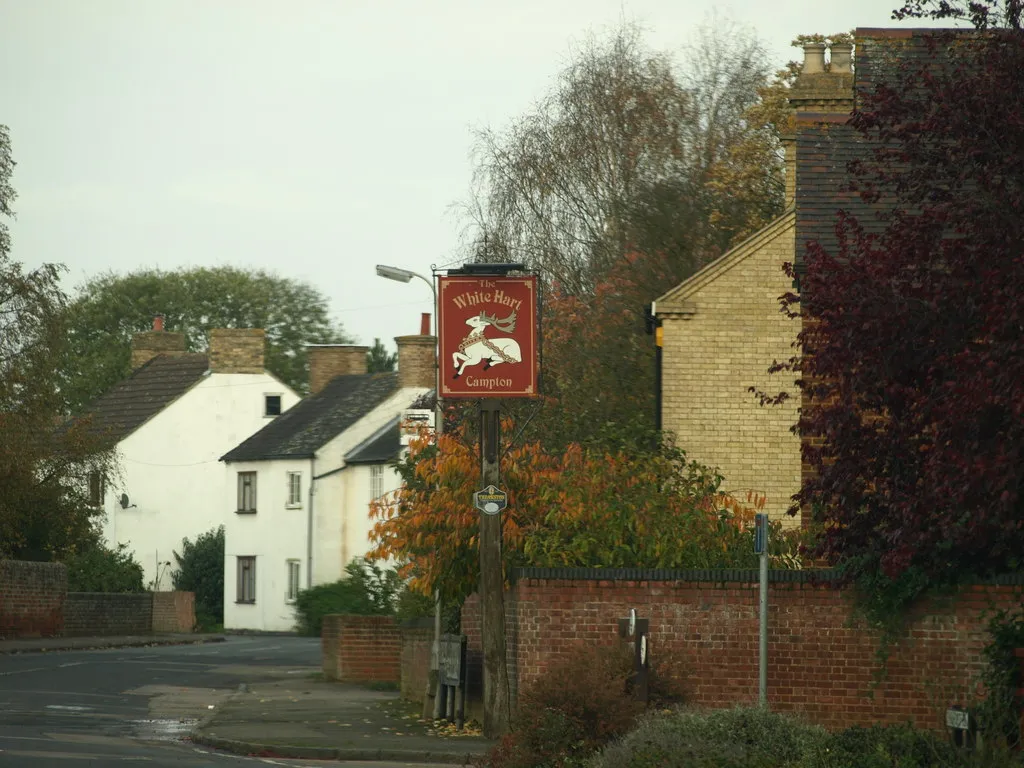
[317, 719]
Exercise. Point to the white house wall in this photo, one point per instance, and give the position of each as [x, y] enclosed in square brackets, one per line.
[171, 472]
[358, 495]
[274, 534]
[334, 548]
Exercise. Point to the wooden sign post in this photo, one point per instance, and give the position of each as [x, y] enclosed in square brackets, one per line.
[488, 350]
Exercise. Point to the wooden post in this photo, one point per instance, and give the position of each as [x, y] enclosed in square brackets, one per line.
[497, 715]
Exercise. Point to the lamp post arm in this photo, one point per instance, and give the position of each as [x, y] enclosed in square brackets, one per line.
[429, 282]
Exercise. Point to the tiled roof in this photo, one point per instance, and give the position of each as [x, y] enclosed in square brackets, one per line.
[132, 402]
[825, 147]
[377, 448]
[306, 426]
[826, 144]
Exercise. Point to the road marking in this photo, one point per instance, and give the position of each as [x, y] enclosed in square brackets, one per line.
[75, 756]
[69, 707]
[71, 664]
[69, 694]
[173, 666]
[22, 671]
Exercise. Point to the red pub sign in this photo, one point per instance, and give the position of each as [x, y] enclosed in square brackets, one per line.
[488, 336]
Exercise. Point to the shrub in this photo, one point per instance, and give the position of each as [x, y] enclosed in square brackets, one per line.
[999, 713]
[99, 569]
[666, 682]
[750, 737]
[367, 590]
[413, 605]
[747, 737]
[573, 710]
[879, 746]
[904, 746]
[201, 570]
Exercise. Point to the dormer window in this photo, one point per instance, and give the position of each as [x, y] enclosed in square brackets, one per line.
[271, 405]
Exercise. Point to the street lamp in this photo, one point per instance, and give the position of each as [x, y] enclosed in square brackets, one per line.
[404, 276]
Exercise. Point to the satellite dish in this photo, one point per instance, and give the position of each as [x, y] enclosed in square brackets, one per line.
[125, 500]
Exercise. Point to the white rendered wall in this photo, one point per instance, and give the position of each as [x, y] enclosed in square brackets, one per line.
[356, 523]
[275, 534]
[336, 511]
[170, 467]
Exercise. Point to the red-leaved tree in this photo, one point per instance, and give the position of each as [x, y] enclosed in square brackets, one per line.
[913, 373]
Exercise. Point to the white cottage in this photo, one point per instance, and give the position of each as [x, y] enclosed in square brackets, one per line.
[171, 421]
[299, 490]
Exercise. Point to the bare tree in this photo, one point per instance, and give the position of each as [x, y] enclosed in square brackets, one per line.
[623, 141]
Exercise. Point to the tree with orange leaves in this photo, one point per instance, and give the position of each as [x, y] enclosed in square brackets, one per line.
[583, 507]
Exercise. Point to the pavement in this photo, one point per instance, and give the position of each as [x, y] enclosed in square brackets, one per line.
[294, 713]
[315, 719]
[44, 644]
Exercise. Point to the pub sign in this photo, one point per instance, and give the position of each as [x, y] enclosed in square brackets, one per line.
[488, 336]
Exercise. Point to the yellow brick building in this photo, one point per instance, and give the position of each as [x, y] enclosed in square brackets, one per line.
[722, 328]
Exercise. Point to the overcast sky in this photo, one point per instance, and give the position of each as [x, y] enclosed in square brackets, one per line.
[314, 138]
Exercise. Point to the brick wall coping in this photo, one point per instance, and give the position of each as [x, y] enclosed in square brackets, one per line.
[712, 575]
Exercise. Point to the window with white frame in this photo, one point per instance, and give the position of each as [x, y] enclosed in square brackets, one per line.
[246, 492]
[245, 591]
[294, 490]
[376, 481]
[294, 572]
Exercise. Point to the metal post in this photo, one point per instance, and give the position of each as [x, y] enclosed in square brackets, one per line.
[434, 678]
[762, 686]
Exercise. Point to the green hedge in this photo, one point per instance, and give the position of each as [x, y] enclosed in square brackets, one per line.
[750, 737]
[366, 590]
[98, 569]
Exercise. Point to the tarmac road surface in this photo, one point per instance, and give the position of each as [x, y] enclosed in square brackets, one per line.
[135, 706]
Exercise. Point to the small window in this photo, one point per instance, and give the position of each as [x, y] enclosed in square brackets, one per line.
[246, 589]
[376, 481]
[294, 490]
[247, 492]
[293, 580]
[272, 405]
[96, 489]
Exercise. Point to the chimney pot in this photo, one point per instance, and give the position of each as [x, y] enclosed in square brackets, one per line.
[417, 361]
[158, 322]
[814, 58]
[425, 324]
[328, 361]
[237, 350]
[148, 344]
[842, 58]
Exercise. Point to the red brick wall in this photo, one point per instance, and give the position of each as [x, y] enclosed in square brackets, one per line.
[174, 611]
[32, 599]
[822, 661]
[361, 648]
[95, 614]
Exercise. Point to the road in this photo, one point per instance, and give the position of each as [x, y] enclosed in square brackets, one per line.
[134, 705]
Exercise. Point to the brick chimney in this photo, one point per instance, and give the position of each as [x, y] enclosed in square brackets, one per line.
[148, 344]
[236, 350]
[327, 361]
[417, 357]
[819, 88]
